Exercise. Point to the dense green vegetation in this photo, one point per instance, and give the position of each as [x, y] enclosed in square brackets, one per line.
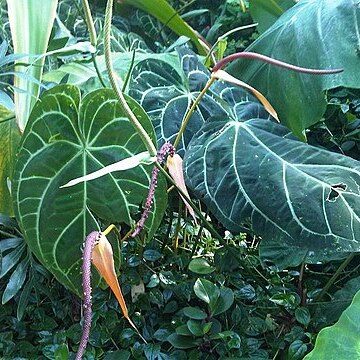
[261, 259]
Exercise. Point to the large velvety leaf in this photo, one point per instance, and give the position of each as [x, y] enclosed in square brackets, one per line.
[68, 137]
[252, 175]
[266, 12]
[10, 137]
[329, 40]
[340, 341]
[166, 92]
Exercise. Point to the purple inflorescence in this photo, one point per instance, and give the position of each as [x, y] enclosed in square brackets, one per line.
[165, 150]
[89, 245]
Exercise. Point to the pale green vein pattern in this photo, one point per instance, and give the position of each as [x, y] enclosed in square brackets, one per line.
[252, 175]
[68, 137]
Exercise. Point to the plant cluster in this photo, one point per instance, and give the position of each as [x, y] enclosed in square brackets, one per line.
[233, 185]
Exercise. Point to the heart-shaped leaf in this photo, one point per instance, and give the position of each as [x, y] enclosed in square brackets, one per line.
[166, 92]
[330, 40]
[69, 137]
[253, 176]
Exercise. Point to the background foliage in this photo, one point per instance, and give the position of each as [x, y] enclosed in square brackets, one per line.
[192, 293]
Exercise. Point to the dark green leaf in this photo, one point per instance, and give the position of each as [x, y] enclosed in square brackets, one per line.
[223, 302]
[11, 259]
[206, 291]
[194, 313]
[195, 327]
[253, 174]
[316, 43]
[302, 315]
[152, 351]
[183, 330]
[151, 255]
[118, 355]
[297, 350]
[68, 137]
[16, 281]
[11, 243]
[200, 266]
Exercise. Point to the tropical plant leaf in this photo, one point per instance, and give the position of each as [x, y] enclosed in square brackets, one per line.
[166, 92]
[10, 138]
[165, 13]
[298, 98]
[83, 73]
[342, 338]
[266, 12]
[30, 30]
[69, 137]
[253, 175]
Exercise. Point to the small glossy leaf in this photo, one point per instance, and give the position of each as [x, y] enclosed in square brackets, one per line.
[195, 327]
[302, 315]
[298, 98]
[223, 302]
[152, 255]
[182, 342]
[200, 266]
[206, 291]
[194, 313]
[61, 352]
[297, 350]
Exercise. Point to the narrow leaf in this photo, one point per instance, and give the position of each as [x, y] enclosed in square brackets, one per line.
[103, 259]
[128, 163]
[175, 166]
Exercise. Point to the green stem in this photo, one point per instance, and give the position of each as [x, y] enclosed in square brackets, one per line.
[90, 23]
[127, 79]
[224, 36]
[119, 94]
[335, 276]
[191, 110]
[98, 73]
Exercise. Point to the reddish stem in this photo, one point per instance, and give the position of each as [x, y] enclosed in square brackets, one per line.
[267, 59]
[166, 149]
[89, 245]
